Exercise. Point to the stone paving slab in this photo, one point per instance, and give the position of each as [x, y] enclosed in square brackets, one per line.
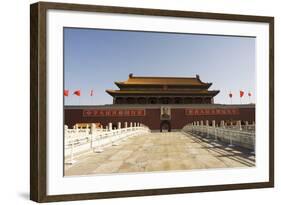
[160, 152]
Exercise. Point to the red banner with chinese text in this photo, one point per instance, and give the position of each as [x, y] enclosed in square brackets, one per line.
[217, 111]
[113, 112]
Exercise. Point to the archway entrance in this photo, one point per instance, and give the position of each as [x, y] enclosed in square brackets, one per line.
[165, 126]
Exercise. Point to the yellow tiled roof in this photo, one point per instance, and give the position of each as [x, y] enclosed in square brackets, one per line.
[140, 80]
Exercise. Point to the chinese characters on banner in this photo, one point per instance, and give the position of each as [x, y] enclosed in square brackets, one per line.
[113, 112]
[232, 111]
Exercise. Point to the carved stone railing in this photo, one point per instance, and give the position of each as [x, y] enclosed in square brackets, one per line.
[97, 139]
[234, 136]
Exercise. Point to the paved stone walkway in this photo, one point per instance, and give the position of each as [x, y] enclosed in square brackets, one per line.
[160, 152]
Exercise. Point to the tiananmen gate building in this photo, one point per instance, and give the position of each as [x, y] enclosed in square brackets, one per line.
[160, 102]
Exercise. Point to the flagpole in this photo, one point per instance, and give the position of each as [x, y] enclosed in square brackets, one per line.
[91, 96]
[77, 94]
[240, 96]
[78, 100]
[230, 96]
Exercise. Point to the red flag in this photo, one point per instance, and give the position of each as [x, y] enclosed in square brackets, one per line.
[91, 93]
[249, 94]
[230, 95]
[241, 93]
[65, 92]
[77, 92]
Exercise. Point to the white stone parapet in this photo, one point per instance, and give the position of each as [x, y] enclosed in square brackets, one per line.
[82, 140]
[232, 135]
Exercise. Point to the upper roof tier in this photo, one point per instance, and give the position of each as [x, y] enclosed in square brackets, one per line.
[160, 81]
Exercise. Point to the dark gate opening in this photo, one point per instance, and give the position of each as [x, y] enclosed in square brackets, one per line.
[165, 126]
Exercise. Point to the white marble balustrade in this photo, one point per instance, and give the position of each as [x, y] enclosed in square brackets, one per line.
[234, 136]
[97, 139]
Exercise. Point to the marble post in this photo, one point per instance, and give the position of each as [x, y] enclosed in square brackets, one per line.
[239, 125]
[110, 126]
[93, 127]
[213, 123]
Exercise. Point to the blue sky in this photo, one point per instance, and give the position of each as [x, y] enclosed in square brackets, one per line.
[94, 59]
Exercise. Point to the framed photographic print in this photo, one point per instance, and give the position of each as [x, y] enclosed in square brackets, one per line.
[134, 102]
